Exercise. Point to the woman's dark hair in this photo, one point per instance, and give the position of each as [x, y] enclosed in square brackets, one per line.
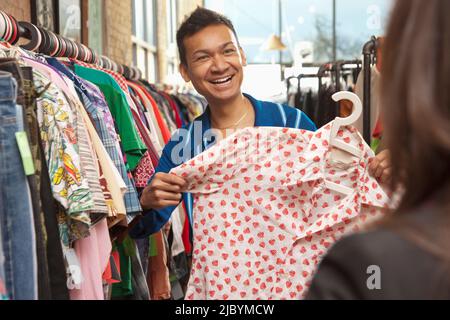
[415, 96]
[197, 21]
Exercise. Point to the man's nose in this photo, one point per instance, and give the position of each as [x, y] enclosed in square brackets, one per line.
[220, 64]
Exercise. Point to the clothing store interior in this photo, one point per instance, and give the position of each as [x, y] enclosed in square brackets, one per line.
[224, 150]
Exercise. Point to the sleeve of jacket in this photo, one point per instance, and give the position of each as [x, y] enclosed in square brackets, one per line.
[298, 120]
[358, 262]
[381, 264]
[154, 220]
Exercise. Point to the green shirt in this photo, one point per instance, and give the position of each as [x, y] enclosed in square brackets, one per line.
[132, 145]
[125, 287]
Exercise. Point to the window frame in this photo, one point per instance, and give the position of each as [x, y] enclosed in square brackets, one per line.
[150, 64]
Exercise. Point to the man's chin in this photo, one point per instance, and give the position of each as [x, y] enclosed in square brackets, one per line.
[225, 97]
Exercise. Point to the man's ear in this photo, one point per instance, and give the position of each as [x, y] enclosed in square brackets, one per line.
[184, 72]
[244, 57]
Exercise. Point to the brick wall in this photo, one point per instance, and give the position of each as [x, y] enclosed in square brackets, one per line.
[20, 9]
[186, 7]
[118, 31]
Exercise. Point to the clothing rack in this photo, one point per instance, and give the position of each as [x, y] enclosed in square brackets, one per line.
[336, 68]
[51, 44]
[299, 78]
[85, 113]
[369, 51]
[340, 66]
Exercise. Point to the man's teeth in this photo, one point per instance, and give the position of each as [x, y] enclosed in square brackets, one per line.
[222, 80]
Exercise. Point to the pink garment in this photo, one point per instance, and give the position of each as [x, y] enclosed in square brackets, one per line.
[93, 254]
[263, 216]
[58, 79]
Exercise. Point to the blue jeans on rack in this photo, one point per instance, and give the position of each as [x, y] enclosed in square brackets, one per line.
[16, 216]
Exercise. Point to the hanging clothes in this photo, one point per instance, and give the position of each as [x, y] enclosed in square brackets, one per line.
[94, 253]
[18, 261]
[132, 144]
[57, 122]
[374, 99]
[99, 137]
[95, 104]
[25, 98]
[327, 108]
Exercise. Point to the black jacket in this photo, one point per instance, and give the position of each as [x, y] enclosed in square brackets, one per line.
[407, 271]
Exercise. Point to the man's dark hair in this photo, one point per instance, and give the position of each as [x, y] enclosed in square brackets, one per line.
[197, 21]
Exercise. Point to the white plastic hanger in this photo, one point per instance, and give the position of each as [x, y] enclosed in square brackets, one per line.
[339, 144]
[340, 122]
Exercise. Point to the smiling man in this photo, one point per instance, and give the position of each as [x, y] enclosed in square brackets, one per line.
[213, 60]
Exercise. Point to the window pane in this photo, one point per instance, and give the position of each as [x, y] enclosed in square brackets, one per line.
[307, 26]
[70, 19]
[255, 21]
[142, 60]
[171, 21]
[357, 21]
[307, 30]
[96, 25]
[138, 15]
[150, 31]
[171, 73]
[152, 75]
[171, 29]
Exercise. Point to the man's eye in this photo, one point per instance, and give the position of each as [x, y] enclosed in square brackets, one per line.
[201, 58]
[230, 51]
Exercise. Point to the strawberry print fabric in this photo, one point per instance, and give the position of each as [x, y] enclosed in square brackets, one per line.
[264, 216]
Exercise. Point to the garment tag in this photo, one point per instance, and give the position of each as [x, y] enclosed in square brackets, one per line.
[341, 159]
[64, 59]
[25, 153]
[74, 273]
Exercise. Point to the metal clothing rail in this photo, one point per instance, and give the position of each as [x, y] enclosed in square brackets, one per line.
[336, 68]
[369, 51]
[299, 78]
[54, 45]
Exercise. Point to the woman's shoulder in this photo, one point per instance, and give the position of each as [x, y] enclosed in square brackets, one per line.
[380, 264]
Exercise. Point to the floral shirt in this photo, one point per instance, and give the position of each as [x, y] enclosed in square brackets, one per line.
[59, 135]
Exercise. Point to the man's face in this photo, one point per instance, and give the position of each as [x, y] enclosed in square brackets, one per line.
[214, 63]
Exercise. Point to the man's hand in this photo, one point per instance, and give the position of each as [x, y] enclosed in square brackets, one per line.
[165, 190]
[380, 167]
